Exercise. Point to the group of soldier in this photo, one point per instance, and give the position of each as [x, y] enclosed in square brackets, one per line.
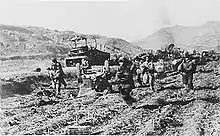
[142, 72]
[129, 74]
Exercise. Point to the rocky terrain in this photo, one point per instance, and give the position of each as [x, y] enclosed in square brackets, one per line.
[171, 110]
[204, 37]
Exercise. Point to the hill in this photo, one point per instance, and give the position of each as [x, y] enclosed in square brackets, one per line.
[20, 42]
[206, 36]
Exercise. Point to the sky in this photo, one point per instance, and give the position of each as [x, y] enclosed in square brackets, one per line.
[128, 19]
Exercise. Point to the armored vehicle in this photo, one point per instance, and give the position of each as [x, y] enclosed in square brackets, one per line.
[85, 48]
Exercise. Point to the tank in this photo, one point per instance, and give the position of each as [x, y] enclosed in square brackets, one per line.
[86, 48]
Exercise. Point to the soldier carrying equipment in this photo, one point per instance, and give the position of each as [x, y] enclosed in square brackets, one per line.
[187, 68]
[57, 75]
[124, 79]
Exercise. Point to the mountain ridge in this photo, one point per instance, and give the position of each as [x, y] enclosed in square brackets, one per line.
[206, 36]
[35, 41]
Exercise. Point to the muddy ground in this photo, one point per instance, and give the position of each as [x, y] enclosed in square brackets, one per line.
[171, 110]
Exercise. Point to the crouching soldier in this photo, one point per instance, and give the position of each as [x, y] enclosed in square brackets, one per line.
[102, 82]
[124, 79]
[57, 75]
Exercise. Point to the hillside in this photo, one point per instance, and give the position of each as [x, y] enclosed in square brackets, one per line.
[202, 37]
[40, 42]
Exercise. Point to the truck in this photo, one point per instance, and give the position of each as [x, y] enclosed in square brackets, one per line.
[86, 48]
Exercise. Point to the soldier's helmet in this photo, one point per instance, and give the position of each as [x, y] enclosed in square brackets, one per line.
[54, 60]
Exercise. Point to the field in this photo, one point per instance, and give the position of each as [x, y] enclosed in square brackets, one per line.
[170, 110]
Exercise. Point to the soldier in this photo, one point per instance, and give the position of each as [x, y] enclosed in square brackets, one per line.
[101, 81]
[79, 73]
[106, 76]
[57, 75]
[135, 68]
[124, 78]
[148, 72]
[161, 69]
[187, 68]
[144, 74]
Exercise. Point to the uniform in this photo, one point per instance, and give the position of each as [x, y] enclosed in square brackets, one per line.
[135, 68]
[160, 68]
[57, 75]
[148, 73]
[124, 79]
[79, 73]
[106, 76]
[101, 82]
[187, 69]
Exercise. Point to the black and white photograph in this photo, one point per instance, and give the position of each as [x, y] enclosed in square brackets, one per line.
[110, 67]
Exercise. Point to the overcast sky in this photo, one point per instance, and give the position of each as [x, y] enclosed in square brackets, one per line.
[128, 19]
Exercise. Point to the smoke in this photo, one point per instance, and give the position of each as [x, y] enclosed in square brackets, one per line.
[164, 17]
